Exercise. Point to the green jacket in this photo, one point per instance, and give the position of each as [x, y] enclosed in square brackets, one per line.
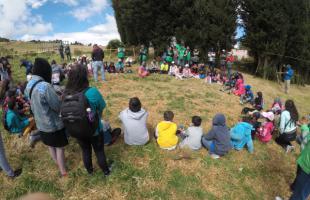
[188, 56]
[304, 159]
[121, 53]
[181, 51]
[169, 57]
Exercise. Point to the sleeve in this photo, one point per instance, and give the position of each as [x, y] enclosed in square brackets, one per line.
[282, 122]
[52, 98]
[250, 146]
[210, 135]
[186, 132]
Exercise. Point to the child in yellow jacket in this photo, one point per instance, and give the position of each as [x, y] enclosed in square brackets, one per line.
[166, 132]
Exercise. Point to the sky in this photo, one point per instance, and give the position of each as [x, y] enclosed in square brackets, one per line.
[85, 21]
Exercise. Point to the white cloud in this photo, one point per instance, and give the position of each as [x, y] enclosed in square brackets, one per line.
[86, 11]
[16, 18]
[99, 34]
[68, 2]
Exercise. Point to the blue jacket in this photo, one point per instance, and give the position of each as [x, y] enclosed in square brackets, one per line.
[96, 103]
[241, 135]
[289, 73]
[45, 105]
[15, 122]
[249, 95]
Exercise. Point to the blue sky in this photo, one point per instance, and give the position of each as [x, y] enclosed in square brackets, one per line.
[86, 21]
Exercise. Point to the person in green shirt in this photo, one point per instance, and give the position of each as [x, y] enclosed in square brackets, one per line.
[181, 51]
[169, 55]
[121, 53]
[187, 56]
[143, 54]
[301, 185]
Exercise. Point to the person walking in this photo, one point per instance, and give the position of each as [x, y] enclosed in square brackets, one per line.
[97, 63]
[45, 105]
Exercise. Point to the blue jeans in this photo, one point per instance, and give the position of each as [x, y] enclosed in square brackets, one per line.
[301, 185]
[4, 164]
[209, 144]
[98, 65]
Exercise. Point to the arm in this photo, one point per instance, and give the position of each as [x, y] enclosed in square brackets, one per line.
[210, 135]
[250, 146]
[52, 98]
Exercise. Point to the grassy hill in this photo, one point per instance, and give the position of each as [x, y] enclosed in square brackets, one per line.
[150, 173]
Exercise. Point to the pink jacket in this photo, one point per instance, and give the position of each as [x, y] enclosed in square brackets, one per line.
[239, 89]
[265, 132]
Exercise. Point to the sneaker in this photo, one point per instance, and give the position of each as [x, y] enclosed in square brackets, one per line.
[17, 173]
[107, 173]
[278, 198]
[214, 156]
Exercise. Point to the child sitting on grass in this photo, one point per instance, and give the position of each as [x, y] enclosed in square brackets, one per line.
[217, 141]
[193, 135]
[258, 103]
[264, 133]
[166, 132]
[248, 96]
[241, 135]
[134, 121]
[17, 124]
[304, 137]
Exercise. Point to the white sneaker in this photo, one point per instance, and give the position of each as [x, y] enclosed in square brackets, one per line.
[214, 156]
[278, 198]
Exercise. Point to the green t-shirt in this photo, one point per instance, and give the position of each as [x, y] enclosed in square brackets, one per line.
[304, 159]
[181, 51]
[121, 53]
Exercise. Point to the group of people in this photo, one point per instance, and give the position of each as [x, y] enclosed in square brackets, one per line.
[64, 50]
[76, 110]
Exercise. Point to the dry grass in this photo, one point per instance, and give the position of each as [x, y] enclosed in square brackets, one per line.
[150, 173]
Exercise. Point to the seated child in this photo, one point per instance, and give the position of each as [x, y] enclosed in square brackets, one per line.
[164, 67]
[241, 135]
[119, 66]
[142, 72]
[166, 132]
[277, 106]
[258, 103]
[172, 69]
[304, 137]
[248, 97]
[239, 88]
[178, 73]
[208, 79]
[187, 72]
[111, 68]
[17, 124]
[193, 135]
[264, 133]
[134, 121]
[217, 141]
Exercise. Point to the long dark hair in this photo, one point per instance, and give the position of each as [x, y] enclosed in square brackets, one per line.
[77, 79]
[291, 108]
[43, 69]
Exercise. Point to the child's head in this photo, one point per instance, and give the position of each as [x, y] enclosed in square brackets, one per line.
[247, 87]
[11, 105]
[134, 104]
[168, 115]
[304, 120]
[196, 120]
[260, 94]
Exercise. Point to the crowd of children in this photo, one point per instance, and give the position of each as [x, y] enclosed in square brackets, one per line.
[256, 121]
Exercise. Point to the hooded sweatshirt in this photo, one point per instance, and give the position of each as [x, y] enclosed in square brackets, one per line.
[220, 135]
[166, 134]
[134, 125]
[241, 135]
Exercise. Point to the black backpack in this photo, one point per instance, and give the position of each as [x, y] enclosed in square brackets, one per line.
[75, 117]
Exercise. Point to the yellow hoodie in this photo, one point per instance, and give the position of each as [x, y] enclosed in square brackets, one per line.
[166, 132]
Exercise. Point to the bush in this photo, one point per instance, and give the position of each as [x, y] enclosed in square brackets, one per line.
[114, 44]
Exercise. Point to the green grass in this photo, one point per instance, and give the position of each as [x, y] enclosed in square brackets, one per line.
[148, 172]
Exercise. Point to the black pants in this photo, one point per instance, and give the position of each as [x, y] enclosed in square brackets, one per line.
[97, 143]
[285, 139]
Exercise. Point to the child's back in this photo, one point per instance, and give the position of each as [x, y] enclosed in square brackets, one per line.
[166, 132]
[194, 134]
[241, 136]
[265, 132]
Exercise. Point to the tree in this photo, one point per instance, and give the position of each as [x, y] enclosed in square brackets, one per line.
[114, 44]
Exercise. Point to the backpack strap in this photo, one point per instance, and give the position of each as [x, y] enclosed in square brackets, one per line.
[36, 83]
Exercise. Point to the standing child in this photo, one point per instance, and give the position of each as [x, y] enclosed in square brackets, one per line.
[217, 141]
[193, 135]
[134, 123]
[166, 132]
[264, 133]
[241, 135]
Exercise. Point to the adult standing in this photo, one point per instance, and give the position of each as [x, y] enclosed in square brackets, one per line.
[97, 64]
[45, 105]
[4, 164]
[143, 54]
[195, 58]
[61, 51]
[169, 55]
[288, 128]
[229, 62]
[287, 78]
[187, 56]
[68, 52]
[121, 53]
[78, 82]
[181, 51]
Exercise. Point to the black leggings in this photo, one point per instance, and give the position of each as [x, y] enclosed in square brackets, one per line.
[97, 143]
[285, 139]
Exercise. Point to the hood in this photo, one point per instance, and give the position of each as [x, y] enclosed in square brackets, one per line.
[219, 120]
[166, 125]
[136, 115]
